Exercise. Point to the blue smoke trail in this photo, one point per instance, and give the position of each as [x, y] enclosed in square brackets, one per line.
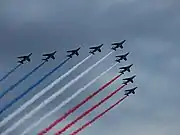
[10, 72]
[32, 87]
[21, 80]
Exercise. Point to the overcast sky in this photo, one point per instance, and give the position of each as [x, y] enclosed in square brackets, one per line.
[151, 28]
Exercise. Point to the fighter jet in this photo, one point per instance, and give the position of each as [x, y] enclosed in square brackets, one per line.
[130, 79]
[124, 69]
[95, 49]
[118, 45]
[24, 58]
[127, 92]
[73, 52]
[49, 56]
[122, 57]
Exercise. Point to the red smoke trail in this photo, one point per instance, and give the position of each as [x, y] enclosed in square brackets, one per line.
[88, 111]
[77, 106]
[98, 116]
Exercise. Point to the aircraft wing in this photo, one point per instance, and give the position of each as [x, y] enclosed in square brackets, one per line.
[73, 51]
[126, 79]
[70, 51]
[21, 57]
[93, 48]
[127, 90]
[45, 54]
[122, 68]
[114, 44]
[119, 56]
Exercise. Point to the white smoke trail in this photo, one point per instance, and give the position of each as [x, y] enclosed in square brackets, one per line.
[41, 93]
[51, 98]
[35, 124]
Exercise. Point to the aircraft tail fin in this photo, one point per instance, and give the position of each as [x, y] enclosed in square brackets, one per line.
[53, 57]
[117, 61]
[122, 72]
[125, 83]
[28, 59]
[21, 62]
[113, 48]
[70, 56]
[91, 52]
[126, 94]
[45, 60]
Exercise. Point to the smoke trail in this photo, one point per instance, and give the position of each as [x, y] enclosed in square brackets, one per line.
[21, 80]
[10, 72]
[35, 124]
[88, 111]
[24, 106]
[98, 116]
[77, 106]
[51, 98]
[41, 93]
[31, 88]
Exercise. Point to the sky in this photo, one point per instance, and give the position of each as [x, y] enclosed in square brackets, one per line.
[151, 28]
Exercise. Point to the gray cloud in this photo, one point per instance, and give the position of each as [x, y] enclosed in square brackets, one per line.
[151, 29]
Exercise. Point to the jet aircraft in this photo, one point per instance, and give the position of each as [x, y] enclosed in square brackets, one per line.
[124, 69]
[118, 45]
[49, 56]
[122, 57]
[73, 52]
[24, 58]
[95, 49]
[130, 79]
[127, 92]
